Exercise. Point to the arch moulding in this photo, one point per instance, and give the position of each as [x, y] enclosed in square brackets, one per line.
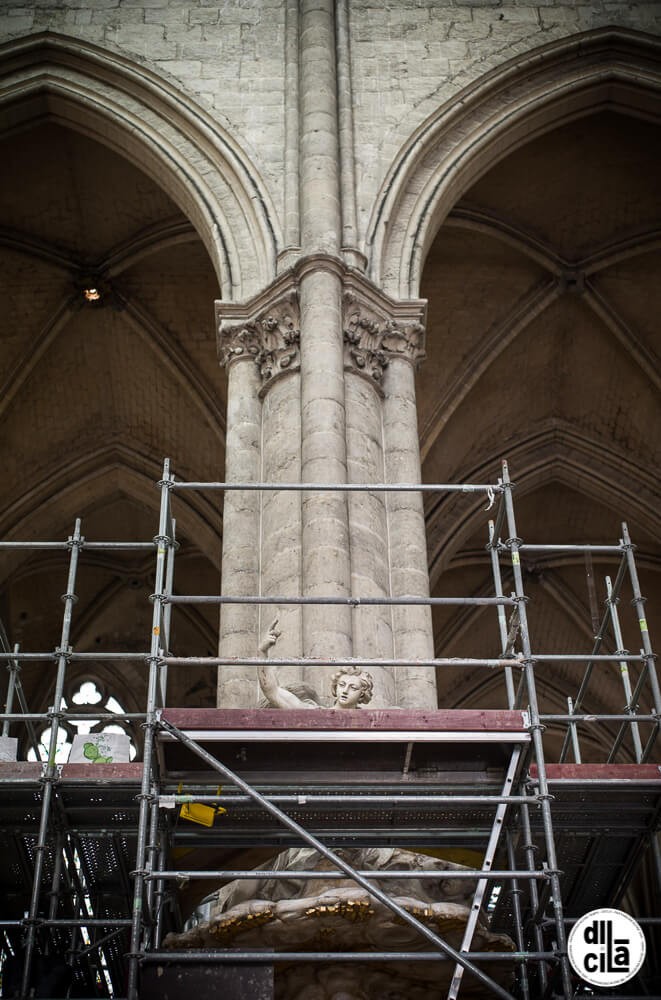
[145, 118]
[607, 69]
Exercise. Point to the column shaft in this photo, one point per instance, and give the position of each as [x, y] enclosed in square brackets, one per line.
[326, 560]
[319, 152]
[326, 566]
[412, 626]
[368, 531]
[238, 686]
[281, 516]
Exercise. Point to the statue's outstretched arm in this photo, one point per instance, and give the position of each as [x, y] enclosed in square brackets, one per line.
[277, 696]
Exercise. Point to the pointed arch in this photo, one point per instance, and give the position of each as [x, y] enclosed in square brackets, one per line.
[606, 69]
[555, 453]
[147, 120]
[77, 487]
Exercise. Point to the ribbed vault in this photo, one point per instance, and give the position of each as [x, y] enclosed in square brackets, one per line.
[543, 349]
[96, 393]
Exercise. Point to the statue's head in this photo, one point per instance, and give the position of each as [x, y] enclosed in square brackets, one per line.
[352, 686]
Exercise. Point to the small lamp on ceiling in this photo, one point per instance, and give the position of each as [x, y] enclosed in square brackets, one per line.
[93, 289]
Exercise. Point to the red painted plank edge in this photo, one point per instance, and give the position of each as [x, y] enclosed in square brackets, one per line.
[387, 719]
[600, 772]
[75, 772]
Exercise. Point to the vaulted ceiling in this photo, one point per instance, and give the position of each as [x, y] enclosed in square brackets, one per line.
[543, 349]
[97, 393]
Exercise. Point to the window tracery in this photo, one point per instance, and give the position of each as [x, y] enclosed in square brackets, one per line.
[90, 697]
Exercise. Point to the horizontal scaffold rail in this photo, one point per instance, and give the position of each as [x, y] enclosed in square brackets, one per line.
[442, 661]
[350, 601]
[506, 660]
[489, 488]
[367, 873]
[269, 957]
[394, 799]
[82, 544]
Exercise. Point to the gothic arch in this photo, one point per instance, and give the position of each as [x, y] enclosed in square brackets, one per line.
[146, 119]
[90, 479]
[606, 69]
[553, 454]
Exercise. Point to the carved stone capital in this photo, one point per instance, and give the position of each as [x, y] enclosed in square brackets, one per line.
[405, 340]
[269, 335]
[377, 329]
[235, 342]
[280, 338]
[363, 338]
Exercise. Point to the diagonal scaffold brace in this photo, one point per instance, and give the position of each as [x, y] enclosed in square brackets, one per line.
[230, 777]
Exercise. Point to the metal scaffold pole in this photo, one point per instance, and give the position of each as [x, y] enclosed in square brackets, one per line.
[536, 729]
[50, 775]
[163, 541]
[639, 605]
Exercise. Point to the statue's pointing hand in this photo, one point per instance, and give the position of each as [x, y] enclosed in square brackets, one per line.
[271, 637]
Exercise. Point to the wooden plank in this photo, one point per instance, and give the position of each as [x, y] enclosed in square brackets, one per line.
[32, 771]
[600, 772]
[395, 720]
[102, 772]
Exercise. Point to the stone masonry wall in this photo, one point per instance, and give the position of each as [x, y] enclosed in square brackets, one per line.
[408, 57]
[411, 56]
[227, 54]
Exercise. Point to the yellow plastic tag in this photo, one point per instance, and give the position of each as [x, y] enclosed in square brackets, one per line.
[197, 812]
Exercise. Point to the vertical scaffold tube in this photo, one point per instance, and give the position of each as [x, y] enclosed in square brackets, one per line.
[13, 668]
[639, 605]
[515, 893]
[536, 729]
[630, 707]
[50, 776]
[163, 541]
[492, 546]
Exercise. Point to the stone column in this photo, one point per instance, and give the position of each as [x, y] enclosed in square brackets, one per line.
[326, 566]
[281, 462]
[412, 625]
[383, 345]
[364, 364]
[262, 529]
[237, 686]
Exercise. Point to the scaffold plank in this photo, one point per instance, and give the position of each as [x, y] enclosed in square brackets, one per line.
[396, 720]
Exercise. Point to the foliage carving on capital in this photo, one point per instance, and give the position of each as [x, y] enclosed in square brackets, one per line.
[271, 340]
[237, 341]
[405, 340]
[371, 340]
[363, 336]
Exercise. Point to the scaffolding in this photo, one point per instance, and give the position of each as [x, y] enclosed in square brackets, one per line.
[86, 860]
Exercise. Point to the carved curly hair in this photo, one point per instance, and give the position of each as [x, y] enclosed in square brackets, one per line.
[366, 682]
